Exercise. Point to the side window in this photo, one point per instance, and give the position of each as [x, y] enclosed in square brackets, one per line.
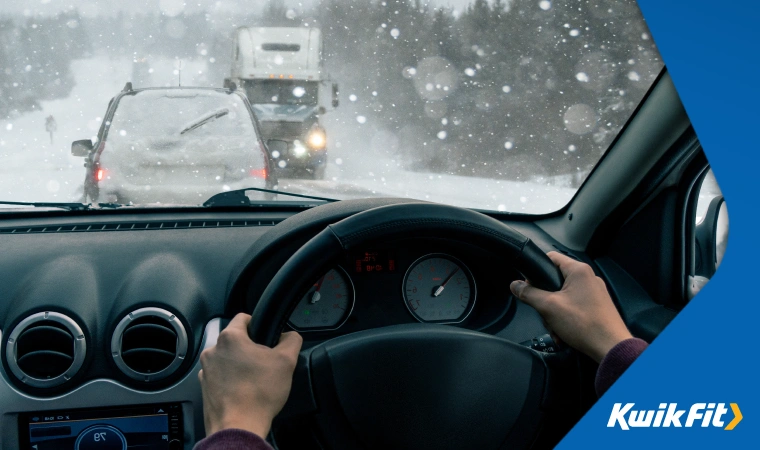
[710, 233]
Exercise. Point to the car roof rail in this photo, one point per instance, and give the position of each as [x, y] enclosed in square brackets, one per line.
[127, 87]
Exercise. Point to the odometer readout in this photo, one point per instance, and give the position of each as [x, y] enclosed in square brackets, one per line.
[373, 261]
[439, 288]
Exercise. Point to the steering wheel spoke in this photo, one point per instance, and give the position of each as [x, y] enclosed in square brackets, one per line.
[301, 401]
[415, 385]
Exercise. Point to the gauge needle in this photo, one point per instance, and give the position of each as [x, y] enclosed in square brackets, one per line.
[316, 295]
[440, 288]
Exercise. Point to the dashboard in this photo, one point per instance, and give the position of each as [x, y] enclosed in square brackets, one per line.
[427, 281]
[139, 296]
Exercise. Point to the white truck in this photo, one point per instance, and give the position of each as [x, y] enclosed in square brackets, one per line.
[281, 71]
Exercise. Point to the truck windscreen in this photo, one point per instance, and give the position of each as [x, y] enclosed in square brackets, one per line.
[282, 92]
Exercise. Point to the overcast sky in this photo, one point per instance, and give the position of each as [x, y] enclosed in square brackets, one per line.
[171, 7]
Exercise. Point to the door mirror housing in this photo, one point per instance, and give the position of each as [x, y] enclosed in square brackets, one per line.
[335, 92]
[82, 147]
[721, 234]
[230, 84]
[711, 236]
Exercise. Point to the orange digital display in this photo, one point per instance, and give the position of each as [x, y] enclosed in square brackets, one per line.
[373, 261]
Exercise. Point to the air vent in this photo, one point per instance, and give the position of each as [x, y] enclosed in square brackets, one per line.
[137, 226]
[45, 349]
[149, 344]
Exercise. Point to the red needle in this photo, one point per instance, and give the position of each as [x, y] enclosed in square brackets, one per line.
[319, 283]
[439, 289]
[450, 277]
[315, 296]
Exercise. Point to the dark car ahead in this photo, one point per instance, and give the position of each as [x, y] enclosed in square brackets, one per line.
[175, 145]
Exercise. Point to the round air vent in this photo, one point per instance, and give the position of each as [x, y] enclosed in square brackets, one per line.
[149, 344]
[45, 349]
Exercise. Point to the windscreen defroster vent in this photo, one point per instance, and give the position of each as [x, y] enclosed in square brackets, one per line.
[45, 349]
[137, 226]
[149, 344]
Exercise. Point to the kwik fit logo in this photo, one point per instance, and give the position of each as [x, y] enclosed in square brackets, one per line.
[669, 415]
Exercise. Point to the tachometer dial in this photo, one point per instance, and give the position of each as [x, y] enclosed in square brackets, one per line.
[326, 305]
[439, 288]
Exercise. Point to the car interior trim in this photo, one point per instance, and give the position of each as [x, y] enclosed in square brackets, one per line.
[105, 392]
[661, 121]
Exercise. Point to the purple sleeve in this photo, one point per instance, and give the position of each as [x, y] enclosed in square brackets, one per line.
[232, 439]
[616, 362]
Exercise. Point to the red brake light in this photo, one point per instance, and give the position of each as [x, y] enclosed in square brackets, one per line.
[259, 173]
[100, 174]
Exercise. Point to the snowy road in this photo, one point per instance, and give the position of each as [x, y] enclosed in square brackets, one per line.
[33, 169]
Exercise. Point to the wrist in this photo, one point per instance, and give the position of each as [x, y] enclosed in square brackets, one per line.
[256, 425]
[599, 351]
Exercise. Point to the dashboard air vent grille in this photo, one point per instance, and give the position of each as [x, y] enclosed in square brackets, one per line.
[45, 349]
[149, 344]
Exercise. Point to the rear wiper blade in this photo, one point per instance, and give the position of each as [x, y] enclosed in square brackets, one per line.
[203, 121]
[66, 206]
[238, 197]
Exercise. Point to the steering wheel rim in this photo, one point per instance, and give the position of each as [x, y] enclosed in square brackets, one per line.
[332, 374]
[407, 220]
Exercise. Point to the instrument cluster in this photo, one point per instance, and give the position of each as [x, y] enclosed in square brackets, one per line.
[380, 287]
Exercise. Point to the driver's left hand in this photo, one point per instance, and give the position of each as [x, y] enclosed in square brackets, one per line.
[245, 385]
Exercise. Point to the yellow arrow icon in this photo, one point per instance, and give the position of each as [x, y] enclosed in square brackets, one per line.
[737, 417]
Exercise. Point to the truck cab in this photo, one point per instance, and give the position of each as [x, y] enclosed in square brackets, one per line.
[280, 69]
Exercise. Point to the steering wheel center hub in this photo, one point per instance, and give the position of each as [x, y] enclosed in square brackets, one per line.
[427, 386]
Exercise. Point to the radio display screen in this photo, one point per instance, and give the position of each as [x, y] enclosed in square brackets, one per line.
[154, 427]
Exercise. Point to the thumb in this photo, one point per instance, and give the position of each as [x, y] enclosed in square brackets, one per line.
[290, 343]
[537, 298]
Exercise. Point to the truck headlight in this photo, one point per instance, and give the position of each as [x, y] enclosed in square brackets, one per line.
[317, 139]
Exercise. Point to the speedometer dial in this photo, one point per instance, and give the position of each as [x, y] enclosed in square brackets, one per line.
[326, 305]
[439, 288]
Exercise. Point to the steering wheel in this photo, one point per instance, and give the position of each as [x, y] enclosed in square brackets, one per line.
[415, 385]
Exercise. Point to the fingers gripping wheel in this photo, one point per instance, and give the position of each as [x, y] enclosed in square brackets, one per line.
[445, 377]
[385, 223]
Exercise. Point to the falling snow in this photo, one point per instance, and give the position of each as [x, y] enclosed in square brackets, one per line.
[434, 120]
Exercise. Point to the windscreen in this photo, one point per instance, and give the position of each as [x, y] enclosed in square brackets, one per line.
[281, 92]
[180, 112]
[500, 105]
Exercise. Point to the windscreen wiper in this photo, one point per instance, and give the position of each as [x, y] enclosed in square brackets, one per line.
[211, 117]
[238, 197]
[66, 206]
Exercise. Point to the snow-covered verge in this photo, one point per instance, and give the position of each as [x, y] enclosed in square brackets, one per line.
[361, 175]
[33, 169]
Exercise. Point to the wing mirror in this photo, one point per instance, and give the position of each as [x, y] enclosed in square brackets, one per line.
[711, 237]
[81, 148]
[277, 145]
[335, 92]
